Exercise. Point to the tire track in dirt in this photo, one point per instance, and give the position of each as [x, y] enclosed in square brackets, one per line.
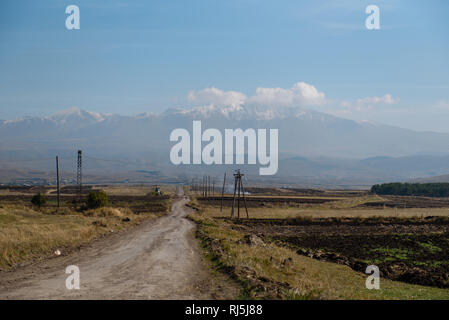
[157, 260]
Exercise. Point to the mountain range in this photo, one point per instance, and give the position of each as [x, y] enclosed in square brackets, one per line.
[315, 148]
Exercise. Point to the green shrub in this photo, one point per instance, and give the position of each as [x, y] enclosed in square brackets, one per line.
[97, 199]
[38, 200]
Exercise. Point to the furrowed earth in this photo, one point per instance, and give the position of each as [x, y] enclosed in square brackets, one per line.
[406, 237]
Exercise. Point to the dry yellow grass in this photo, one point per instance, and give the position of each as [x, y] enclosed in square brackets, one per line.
[282, 213]
[341, 207]
[136, 190]
[27, 234]
[126, 190]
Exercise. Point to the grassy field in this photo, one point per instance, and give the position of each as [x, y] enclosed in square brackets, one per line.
[283, 213]
[28, 234]
[341, 207]
[136, 190]
[276, 261]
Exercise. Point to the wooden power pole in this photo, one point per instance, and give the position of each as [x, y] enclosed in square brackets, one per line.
[222, 192]
[204, 186]
[79, 176]
[57, 180]
[238, 187]
[208, 186]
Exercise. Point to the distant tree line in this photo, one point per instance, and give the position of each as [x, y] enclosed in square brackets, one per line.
[412, 189]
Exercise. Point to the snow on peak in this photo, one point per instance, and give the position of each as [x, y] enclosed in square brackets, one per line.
[76, 113]
[257, 112]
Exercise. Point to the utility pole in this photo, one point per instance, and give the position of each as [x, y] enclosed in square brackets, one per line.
[208, 186]
[244, 198]
[233, 198]
[238, 187]
[238, 199]
[204, 186]
[222, 193]
[57, 180]
[79, 176]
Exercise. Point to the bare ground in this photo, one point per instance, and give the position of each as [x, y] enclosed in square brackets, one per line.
[157, 260]
[409, 250]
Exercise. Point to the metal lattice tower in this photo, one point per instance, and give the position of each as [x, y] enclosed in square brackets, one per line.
[79, 175]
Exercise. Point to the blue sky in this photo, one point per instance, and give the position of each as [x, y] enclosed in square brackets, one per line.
[138, 56]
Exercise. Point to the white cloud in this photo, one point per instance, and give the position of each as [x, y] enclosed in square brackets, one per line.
[364, 104]
[386, 99]
[217, 97]
[301, 94]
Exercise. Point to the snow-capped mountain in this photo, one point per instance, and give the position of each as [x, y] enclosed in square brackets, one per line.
[76, 116]
[303, 135]
[301, 132]
[240, 112]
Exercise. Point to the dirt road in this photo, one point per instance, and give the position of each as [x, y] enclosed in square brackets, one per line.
[157, 260]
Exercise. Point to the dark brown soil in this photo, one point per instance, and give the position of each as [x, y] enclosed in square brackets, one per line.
[26, 189]
[408, 202]
[280, 192]
[253, 202]
[409, 250]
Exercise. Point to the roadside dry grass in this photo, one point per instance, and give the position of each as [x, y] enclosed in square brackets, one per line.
[288, 212]
[27, 234]
[268, 271]
[341, 207]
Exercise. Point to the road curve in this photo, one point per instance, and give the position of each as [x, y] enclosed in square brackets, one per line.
[158, 259]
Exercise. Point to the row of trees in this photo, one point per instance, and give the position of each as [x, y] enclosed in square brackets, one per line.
[412, 189]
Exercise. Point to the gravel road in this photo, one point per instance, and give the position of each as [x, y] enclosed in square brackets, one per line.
[158, 259]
